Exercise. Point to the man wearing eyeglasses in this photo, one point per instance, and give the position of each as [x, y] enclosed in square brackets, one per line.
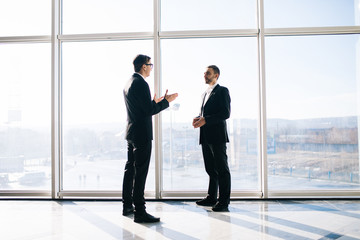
[140, 108]
[215, 109]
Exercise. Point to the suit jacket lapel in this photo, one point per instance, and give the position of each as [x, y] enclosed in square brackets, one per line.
[212, 93]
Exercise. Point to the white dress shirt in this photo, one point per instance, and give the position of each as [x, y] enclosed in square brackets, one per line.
[208, 92]
[140, 75]
[206, 95]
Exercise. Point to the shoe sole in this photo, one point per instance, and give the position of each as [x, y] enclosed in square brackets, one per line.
[137, 221]
[127, 214]
[221, 210]
[206, 205]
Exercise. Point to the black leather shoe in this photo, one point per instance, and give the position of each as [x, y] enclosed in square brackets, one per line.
[220, 207]
[128, 210]
[206, 202]
[145, 218]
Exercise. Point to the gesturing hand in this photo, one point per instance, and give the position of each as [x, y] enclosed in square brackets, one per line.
[157, 99]
[170, 97]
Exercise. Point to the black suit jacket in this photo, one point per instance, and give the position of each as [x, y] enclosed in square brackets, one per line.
[140, 108]
[216, 111]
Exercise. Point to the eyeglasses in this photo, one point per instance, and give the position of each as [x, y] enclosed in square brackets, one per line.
[150, 64]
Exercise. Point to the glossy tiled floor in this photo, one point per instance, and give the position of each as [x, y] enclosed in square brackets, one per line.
[322, 219]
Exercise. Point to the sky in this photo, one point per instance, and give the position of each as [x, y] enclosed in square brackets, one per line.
[306, 77]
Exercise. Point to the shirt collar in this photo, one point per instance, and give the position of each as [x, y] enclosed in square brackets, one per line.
[140, 75]
[210, 88]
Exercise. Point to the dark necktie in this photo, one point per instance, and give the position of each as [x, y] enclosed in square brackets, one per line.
[202, 105]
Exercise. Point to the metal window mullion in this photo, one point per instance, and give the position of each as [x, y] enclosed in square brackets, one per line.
[306, 193]
[209, 33]
[106, 36]
[157, 89]
[55, 101]
[61, 160]
[25, 193]
[97, 194]
[25, 39]
[199, 194]
[262, 103]
[311, 31]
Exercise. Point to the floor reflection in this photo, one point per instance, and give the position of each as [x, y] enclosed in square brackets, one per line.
[182, 220]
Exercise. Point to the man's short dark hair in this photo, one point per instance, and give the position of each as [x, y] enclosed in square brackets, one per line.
[139, 61]
[215, 69]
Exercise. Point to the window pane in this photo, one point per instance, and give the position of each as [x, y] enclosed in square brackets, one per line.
[106, 16]
[311, 13]
[24, 17]
[25, 117]
[312, 107]
[184, 62]
[94, 115]
[207, 14]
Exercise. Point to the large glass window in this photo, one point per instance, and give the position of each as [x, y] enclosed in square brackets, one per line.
[107, 16]
[311, 13]
[312, 91]
[94, 115]
[183, 167]
[23, 17]
[207, 14]
[25, 117]
[312, 111]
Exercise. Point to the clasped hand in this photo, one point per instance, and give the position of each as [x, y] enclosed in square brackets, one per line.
[198, 122]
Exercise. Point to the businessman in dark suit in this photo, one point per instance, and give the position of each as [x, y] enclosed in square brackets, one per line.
[140, 108]
[215, 109]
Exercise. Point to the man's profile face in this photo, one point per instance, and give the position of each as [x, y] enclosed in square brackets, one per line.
[148, 68]
[210, 76]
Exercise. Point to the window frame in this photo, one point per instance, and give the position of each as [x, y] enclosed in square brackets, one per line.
[57, 38]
